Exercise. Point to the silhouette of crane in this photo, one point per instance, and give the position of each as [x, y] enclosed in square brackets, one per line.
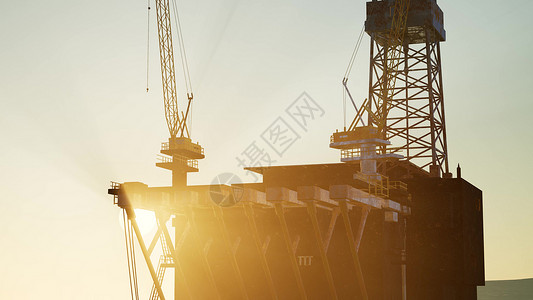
[179, 154]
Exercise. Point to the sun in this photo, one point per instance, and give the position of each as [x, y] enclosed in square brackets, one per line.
[145, 220]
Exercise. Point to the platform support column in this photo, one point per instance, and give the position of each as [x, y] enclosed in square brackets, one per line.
[249, 211]
[203, 251]
[311, 208]
[217, 210]
[286, 236]
[353, 249]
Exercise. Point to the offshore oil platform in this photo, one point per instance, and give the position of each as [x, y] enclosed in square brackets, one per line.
[389, 221]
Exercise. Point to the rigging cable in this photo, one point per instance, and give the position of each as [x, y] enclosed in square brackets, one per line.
[348, 71]
[354, 53]
[127, 252]
[130, 253]
[183, 54]
[134, 261]
[184, 63]
[148, 48]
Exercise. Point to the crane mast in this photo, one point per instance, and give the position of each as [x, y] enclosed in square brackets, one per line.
[179, 154]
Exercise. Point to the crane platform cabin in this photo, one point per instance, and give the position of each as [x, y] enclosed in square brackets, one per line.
[385, 223]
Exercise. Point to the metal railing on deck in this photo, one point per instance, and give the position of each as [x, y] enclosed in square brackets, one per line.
[193, 163]
[358, 152]
[378, 185]
[115, 186]
[186, 146]
[398, 185]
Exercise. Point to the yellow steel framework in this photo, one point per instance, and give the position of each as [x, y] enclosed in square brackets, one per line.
[395, 42]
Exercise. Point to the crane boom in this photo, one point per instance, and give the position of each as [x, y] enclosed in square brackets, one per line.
[168, 73]
[180, 154]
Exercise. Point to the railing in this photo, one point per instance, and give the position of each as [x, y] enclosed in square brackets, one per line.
[193, 163]
[378, 185]
[358, 152]
[398, 185]
[115, 186]
[351, 153]
[164, 159]
[186, 146]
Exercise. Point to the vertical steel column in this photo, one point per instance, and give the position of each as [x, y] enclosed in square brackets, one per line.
[406, 80]
[217, 210]
[443, 119]
[434, 161]
[404, 267]
[311, 208]
[248, 209]
[179, 240]
[370, 81]
[205, 261]
[351, 241]
[286, 236]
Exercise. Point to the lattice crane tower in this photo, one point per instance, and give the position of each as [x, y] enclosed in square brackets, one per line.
[180, 154]
[405, 104]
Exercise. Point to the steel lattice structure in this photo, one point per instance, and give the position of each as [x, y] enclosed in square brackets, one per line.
[409, 113]
[415, 122]
[168, 74]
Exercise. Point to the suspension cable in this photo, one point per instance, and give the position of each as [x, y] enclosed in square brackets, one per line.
[148, 48]
[183, 54]
[347, 74]
[185, 66]
[134, 261]
[354, 53]
[130, 253]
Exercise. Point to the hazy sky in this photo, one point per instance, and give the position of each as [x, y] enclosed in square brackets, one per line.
[74, 114]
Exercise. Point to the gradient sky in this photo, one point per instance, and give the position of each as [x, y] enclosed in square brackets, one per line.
[74, 114]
